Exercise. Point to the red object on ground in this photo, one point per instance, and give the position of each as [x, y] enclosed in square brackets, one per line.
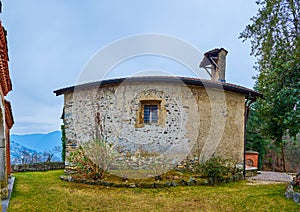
[252, 159]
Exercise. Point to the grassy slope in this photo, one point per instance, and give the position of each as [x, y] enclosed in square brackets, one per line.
[44, 191]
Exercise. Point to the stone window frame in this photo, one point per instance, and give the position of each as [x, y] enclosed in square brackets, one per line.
[161, 112]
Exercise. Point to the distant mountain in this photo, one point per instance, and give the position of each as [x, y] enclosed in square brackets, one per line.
[38, 142]
[34, 145]
[20, 154]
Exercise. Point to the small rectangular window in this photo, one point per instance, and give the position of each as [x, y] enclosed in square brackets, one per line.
[150, 114]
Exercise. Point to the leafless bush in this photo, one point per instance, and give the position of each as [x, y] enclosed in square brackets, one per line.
[94, 158]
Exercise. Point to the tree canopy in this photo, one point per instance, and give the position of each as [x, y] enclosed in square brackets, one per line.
[274, 34]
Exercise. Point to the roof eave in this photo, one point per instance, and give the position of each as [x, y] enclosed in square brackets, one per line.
[189, 81]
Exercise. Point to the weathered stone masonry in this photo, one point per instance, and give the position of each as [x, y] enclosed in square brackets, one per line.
[185, 118]
[194, 119]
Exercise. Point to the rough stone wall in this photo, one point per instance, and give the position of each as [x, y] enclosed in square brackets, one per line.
[232, 140]
[37, 167]
[221, 130]
[193, 122]
[3, 168]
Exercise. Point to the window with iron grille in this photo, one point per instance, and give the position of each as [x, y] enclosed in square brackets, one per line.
[150, 114]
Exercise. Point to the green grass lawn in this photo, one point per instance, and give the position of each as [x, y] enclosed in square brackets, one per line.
[44, 191]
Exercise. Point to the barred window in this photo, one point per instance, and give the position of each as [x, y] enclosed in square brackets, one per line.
[150, 114]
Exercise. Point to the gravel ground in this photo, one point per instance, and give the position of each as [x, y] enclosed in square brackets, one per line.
[272, 176]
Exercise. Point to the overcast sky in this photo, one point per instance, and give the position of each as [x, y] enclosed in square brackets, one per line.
[50, 42]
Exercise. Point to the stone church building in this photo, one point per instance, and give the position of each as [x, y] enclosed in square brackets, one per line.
[178, 117]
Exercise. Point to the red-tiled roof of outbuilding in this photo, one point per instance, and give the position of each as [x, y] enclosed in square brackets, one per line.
[8, 114]
[5, 80]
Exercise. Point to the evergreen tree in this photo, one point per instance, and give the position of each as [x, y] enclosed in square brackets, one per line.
[274, 35]
[255, 140]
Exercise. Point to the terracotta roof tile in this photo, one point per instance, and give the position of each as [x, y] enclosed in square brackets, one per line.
[8, 114]
[5, 80]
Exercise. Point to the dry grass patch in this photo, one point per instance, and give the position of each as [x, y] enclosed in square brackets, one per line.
[263, 182]
[44, 191]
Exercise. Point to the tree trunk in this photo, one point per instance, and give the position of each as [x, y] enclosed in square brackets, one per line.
[273, 159]
[283, 156]
[296, 20]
